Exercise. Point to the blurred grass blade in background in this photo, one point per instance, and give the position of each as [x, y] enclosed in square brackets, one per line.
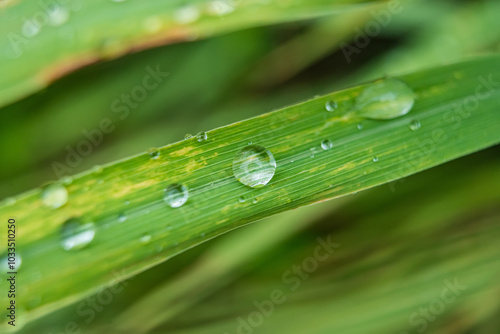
[43, 42]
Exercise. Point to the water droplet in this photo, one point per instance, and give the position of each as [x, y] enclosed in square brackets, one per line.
[375, 159]
[254, 201]
[153, 153]
[54, 195]
[254, 166]
[145, 238]
[242, 199]
[122, 217]
[360, 126]
[12, 263]
[385, 99]
[331, 106]
[9, 201]
[312, 155]
[30, 28]
[188, 136]
[97, 169]
[326, 144]
[57, 15]
[220, 7]
[66, 180]
[187, 14]
[201, 136]
[76, 235]
[176, 195]
[414, 125]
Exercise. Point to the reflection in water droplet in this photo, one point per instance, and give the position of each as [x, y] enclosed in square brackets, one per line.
[153, 153]
[375, 159]
[54, 195]
[176, 195]
[385, 99]
[414, 125]
[254, 166]
[331, 106]
[76, 235]
[326, 144]
[12, 263]
[254, 201]
[201, 136]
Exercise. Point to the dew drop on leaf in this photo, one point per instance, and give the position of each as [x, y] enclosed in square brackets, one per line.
[76, 234]
[153, 153]
[414, 125]
[326, 144]
[201, 136]
[176, 195]
[54, 195]
[254, 166]
[331, 106]
[385, 99]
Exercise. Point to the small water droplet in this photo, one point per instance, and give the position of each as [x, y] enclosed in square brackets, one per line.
[385, 99]
[30, 28]
[360, 126]
[54, 195]
[414, 125]
[122, 217]
[12, 263]
[9, 201]
[176, 195]
[331, 106]
[254, 201]
[66, 180]
[153, 153]
[145, 238]
[375, 159]
[250, 143]
[254, 166]
[220, 7]
[76, 235]
[188, 136]
[187, 14]
[326, 144]
[201, 136]
[97, 169]
[242, 199]
[57, 15]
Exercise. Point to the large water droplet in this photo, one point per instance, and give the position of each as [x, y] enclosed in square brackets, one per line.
[326, 144]
[331, 106]
[176, 195]
[385, 99]
[254, 166]
[414, 125]
[76, 235]
[54, 195]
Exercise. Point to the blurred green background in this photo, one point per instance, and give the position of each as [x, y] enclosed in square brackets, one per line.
[401, 244]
